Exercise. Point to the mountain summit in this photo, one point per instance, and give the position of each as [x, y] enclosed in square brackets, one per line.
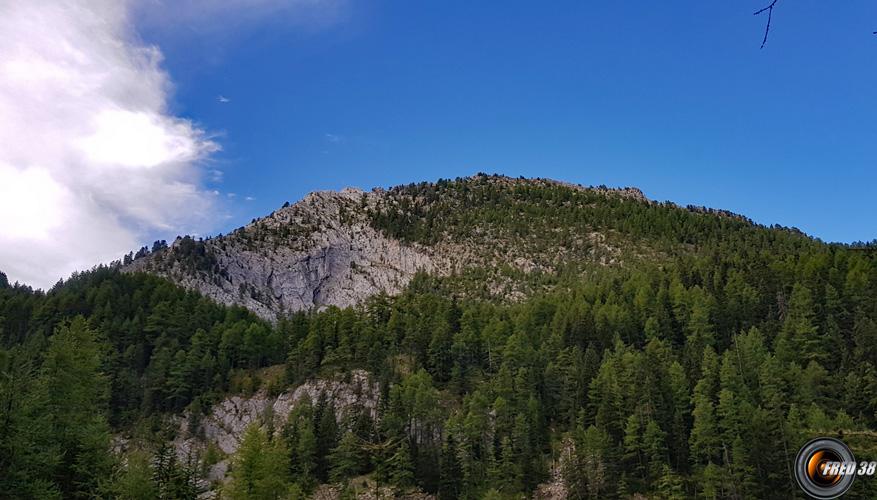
[489, 236]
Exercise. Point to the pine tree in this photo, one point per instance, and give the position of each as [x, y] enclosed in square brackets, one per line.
[586, 469]
[71, 398]
[28, 454]
[799, 340]
[172, 477]
[700, 333]
[440, 355]
[510, 468]
[347, 458]
[768, 434]
[451, 471]
[326, 427]
[179, 381]
[633, 452]
[260, 467]
[670, 485]
[134, 481]
[306, 454]
[654, 444]
[400, 466]
[704, 438]
[681, 403]
[710, 482]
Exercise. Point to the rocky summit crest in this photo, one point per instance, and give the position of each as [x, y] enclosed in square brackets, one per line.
[484, 233]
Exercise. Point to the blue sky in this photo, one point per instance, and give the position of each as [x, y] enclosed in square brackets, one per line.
[673, 97]
[114, 133]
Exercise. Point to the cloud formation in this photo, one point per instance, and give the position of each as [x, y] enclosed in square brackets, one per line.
[92, 162]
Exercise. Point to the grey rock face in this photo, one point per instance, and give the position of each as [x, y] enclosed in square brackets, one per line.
[224, 427]
[229, 419]
[323, 251]
[319, 252]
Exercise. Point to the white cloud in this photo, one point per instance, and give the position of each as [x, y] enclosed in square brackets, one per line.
[92, 162]
[334, 138]
[138, 139]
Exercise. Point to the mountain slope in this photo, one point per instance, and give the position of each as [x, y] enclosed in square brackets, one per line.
[671, 351]
[489, 236]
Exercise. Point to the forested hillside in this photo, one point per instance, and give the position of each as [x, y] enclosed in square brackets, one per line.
[693, 361]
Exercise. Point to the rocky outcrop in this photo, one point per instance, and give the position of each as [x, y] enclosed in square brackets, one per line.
[319, 252]
[325, 251]
[225, 424]
[227, 421]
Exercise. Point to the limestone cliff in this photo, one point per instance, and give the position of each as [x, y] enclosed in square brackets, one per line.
[320, 251]
[326, 250]
[224, 426]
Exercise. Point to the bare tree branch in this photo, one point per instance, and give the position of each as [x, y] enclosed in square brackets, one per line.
[769, 10]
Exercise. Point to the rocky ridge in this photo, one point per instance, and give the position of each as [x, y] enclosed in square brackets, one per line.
[324, 251]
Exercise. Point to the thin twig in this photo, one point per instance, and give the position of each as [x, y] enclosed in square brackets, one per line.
[769, 10]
